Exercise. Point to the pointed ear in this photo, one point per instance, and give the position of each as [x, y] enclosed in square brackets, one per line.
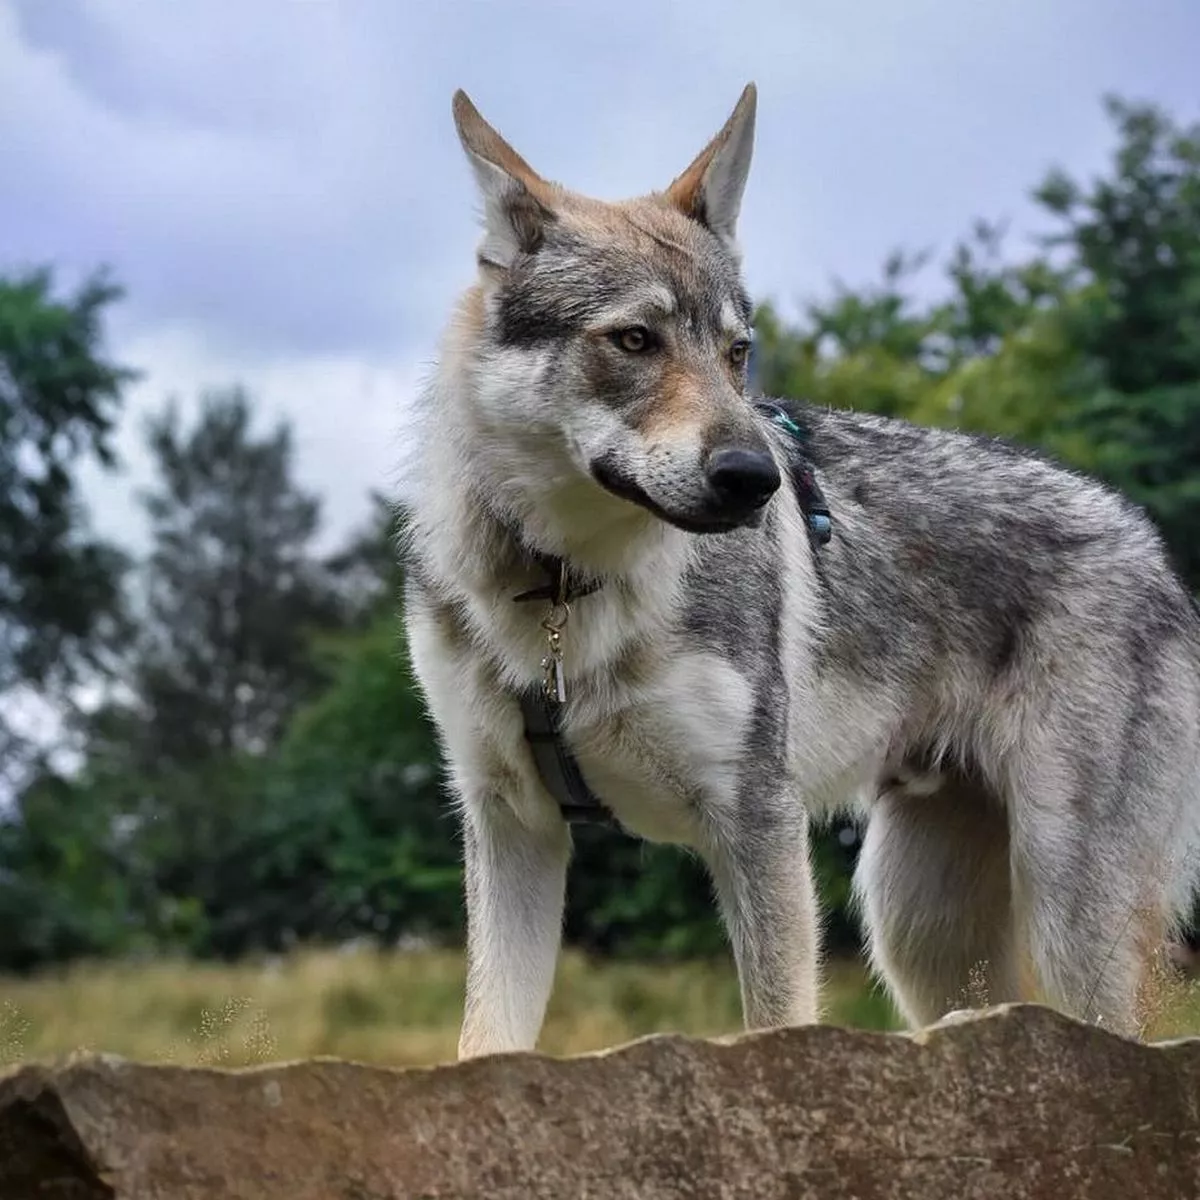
[516, 200]
[710, 190]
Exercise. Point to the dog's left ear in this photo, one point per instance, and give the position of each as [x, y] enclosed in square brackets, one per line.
[710, 190]
[516, 199]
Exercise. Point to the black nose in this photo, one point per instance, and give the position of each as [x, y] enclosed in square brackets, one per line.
[743, 479]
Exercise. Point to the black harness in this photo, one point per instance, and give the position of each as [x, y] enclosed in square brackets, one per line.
[542, 709]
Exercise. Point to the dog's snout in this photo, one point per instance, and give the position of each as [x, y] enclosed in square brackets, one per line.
[742, 479]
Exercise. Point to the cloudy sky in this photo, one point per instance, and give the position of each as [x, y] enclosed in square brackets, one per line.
[278, 183]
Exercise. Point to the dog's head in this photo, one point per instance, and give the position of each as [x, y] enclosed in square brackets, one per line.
[610, 340]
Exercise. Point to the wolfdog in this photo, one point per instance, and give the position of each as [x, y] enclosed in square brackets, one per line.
[985, 656]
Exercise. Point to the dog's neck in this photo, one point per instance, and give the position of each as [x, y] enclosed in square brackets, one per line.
[518, 538]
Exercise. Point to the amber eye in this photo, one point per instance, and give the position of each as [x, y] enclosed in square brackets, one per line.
[634, 340]
[738, 353]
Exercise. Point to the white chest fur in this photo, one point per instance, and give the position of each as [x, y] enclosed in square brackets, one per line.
[672, 750]
[657, 748]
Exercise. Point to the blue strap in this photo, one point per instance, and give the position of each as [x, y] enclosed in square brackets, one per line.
[808, 492]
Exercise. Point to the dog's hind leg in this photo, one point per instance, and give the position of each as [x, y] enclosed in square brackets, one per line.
[1101, 787]
[932, 883]
[515, 885]
[1091, 876]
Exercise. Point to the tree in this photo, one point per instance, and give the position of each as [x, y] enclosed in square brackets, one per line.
[179, 792]
[60, 396]
[366, 571]
[233, 591]
[1132, 244]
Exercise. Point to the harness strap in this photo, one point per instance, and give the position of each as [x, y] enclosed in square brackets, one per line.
[808, 492]
[556, 764]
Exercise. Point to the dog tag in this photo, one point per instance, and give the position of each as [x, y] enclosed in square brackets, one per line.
[554, 681]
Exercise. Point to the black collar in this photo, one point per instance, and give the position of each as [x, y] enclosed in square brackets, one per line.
[563, 583]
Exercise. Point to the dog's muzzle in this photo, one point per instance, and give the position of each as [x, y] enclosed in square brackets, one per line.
[739, 482]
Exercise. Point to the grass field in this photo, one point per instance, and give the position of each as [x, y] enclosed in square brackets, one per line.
[398, 1008]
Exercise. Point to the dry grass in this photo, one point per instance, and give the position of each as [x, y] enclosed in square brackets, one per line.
[399, 1009]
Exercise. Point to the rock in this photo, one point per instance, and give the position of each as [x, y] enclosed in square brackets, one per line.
[1016, 1102]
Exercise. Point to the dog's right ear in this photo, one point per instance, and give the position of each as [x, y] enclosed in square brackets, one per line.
[516, 200]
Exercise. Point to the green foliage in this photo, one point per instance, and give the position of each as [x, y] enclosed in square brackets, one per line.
[1133, 247]
[364, 755]
[59, 398]
[63, 894]
[628, 898]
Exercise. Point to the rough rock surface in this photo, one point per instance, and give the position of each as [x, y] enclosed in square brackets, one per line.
[1018, 1102]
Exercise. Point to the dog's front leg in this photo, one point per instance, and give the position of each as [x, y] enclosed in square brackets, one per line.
[764, 881]
[515, 885]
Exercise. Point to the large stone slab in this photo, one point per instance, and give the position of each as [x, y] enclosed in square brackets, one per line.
[1018, 1102]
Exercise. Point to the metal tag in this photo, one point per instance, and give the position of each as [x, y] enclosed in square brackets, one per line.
[554, 681]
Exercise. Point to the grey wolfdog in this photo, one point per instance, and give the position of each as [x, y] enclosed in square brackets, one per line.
[991, 659]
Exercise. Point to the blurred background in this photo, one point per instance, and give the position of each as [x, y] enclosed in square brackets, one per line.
[229, 235]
